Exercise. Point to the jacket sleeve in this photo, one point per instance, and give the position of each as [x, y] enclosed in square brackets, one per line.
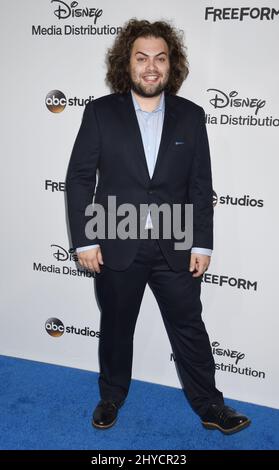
[200, 188]
[81, 176]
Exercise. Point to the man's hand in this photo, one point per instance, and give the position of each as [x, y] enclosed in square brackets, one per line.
[198, 264]
[91, 259]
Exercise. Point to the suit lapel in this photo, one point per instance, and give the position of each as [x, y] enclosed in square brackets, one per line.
[134, 134]
[167, 133]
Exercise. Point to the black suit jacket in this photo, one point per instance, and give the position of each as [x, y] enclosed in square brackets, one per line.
[109, 140]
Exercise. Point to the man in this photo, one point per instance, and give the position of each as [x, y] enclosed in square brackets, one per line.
[149, 147]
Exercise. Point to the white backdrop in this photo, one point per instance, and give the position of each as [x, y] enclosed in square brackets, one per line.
[229, 58]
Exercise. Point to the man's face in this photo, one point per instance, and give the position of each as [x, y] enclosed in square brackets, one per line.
[149, 66]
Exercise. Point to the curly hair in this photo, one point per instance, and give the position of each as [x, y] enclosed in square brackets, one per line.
[118, 56]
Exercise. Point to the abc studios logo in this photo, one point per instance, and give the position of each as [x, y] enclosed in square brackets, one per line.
[56, 101]
[215, 198]
[54, 327]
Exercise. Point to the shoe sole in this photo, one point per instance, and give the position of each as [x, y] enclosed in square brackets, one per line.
[214, 426]
[105, 426]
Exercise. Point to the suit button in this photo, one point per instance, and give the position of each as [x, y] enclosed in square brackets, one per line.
[150, 191]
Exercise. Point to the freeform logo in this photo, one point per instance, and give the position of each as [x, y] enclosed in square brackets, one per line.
[253, 13]
[56, 101]
[243, 201]
[55, 328]
[222, 280]
[55, 186]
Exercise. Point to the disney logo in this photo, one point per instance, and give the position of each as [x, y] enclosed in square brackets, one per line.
[63, 255]
[226, 352]
[64, 10]
[221, 100]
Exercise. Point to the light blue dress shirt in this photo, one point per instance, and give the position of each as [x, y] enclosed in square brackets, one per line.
[151, 125]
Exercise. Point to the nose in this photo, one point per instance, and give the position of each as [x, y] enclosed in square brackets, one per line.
[151, 65]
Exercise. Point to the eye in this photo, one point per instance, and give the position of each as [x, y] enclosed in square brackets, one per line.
[140, 59]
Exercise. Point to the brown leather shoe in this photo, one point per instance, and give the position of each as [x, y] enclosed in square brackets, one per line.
[105, 414]
[224, 418]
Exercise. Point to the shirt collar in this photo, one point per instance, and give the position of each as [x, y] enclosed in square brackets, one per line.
[160, 107]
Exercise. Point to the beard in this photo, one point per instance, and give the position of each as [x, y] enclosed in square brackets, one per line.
[148, 91]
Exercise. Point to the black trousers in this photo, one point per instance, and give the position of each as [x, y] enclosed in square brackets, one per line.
[120, 293]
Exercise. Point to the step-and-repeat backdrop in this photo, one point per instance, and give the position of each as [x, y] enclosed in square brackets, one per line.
[53, 62]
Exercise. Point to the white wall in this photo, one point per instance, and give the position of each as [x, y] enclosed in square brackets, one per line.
[226, 55]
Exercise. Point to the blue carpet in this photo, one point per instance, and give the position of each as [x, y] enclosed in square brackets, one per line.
[49, 407]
